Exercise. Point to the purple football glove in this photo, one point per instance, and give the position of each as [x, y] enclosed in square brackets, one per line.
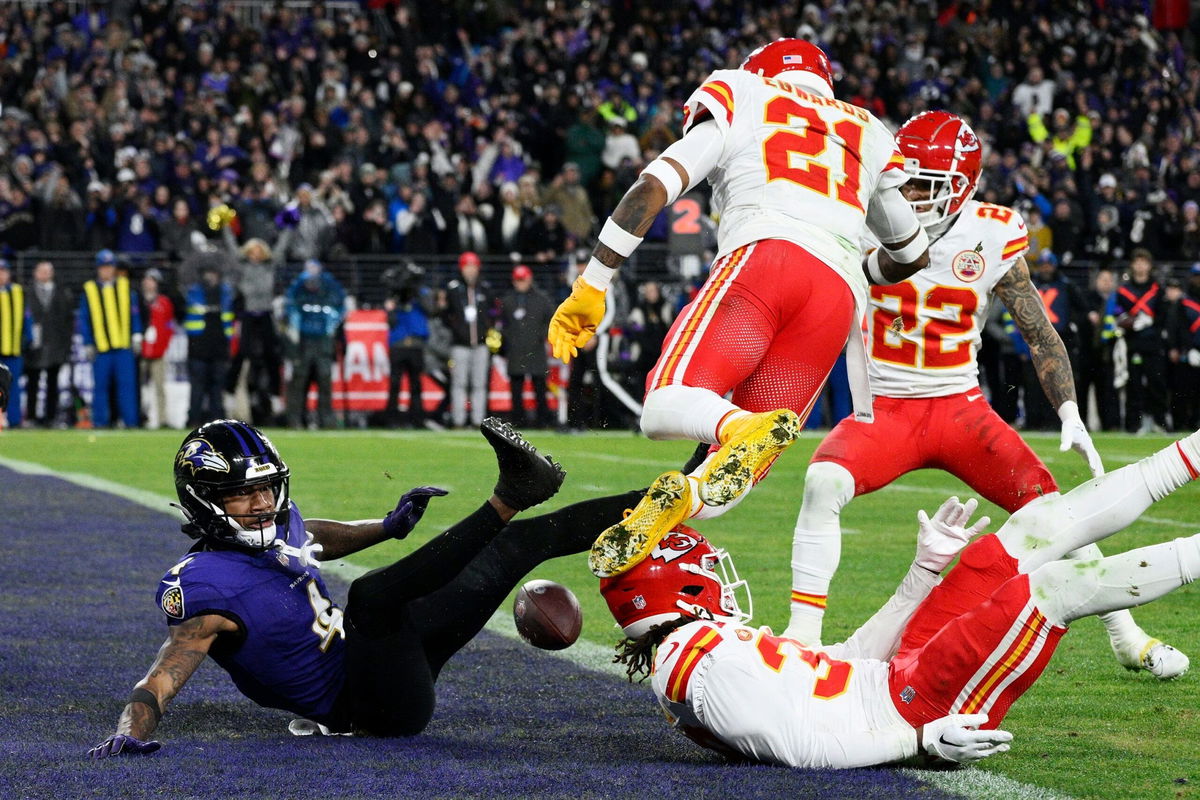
[407, 513]
[120, 744]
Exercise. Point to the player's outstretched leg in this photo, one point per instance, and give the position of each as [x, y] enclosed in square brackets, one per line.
[750, 443]
[527, 478]
[622, 546]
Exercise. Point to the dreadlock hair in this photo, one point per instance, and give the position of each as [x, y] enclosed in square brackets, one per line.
[638, 654]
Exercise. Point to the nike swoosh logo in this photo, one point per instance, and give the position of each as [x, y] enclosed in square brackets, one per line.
[973, 399]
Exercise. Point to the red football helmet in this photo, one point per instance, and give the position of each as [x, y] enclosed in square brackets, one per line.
[940, 147]
[795, 61]
[679, 578]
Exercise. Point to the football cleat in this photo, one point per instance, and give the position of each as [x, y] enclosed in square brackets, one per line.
[623, 546]
[526, 476]
[1161, 660]
[749, 446]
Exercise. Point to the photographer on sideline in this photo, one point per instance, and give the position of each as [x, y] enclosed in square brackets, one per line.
[408, 308]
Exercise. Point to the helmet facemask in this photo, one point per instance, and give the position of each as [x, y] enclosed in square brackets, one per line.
[718, 567]
[947, 193]
[256, 531]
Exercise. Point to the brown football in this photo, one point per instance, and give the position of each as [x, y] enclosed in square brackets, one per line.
[547, 615]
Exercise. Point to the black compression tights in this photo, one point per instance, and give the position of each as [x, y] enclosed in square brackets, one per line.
[405, 621]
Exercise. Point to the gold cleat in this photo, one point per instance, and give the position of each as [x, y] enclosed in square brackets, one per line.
[749, 445]
[623, 546]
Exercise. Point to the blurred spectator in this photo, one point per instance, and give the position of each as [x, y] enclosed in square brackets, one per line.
[259, 347]
[544, 239]
[1187, 342]
[620, 146]
[1176, 343]
[110, 320]
[568, 194]
[525, 313]
[18, 223]
[1139, 313]
[312, 225]
[508, 221]
[1189, 231]
[408, 331]
[1067, 310]
[159, 313]
[467, 313]
[53, 310]
[16, 334]
[647, 326]
[60, 215]
[315, 307]
[585, 143]
[209, 328]
[1096, 369]
[177, 231]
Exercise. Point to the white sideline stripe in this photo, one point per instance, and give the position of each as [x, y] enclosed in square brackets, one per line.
[968, 782]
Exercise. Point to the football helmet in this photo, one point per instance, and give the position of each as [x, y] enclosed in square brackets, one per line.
[941, 149]
[795, 61]
[221, 458]
[684, 576]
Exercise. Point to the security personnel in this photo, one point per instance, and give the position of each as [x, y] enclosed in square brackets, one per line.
[209, 327]
[111, 322]
[315, 307]
[16, 326]
[1141, 315]
[1067, 311]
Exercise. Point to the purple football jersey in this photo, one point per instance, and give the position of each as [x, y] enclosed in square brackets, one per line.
[292, 649]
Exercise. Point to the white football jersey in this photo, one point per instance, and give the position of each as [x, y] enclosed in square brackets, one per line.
[732, 688]
[794, 166]
[923, 333]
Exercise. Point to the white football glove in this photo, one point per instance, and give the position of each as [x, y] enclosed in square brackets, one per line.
[1193, 357]
[955, 738]
[1075, 437]
[940, 539]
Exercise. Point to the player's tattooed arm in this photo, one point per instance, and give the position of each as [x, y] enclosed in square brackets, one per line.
[340, 539]
[1046, 347]
[177, 659]
[637, 210]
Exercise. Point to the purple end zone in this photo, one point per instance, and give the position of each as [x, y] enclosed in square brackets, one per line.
[78, 627]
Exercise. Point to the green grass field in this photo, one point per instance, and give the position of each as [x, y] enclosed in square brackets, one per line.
[1088, 728]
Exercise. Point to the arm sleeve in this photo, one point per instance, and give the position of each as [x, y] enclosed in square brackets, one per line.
[889, 216]
[880, 635]
[698, 151]
[817, 748]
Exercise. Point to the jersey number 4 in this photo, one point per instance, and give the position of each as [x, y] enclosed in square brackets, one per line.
[780, 147]
[900, 315]
[832, 676]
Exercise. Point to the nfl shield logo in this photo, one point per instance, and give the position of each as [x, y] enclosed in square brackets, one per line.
[908, 694]
[639, 602]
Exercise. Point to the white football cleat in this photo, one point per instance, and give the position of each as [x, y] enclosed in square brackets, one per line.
[1161, 660]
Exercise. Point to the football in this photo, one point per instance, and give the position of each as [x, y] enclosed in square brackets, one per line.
[547, 615]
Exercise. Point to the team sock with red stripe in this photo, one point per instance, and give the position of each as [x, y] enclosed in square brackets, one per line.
[685, 412]
[1172, 467]
[817, 547]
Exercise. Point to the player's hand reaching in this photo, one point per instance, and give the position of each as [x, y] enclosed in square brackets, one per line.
[1075, 437]
[575, 321]
[121, 744]
[940, 539]
[408, 512]
[956, 738]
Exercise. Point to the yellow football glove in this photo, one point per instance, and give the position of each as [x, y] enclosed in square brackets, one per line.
[575, 321]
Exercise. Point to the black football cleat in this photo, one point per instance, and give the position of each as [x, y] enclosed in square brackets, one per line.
[526, 476]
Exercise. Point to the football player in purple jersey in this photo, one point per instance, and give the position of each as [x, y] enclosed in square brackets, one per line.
[249, 593]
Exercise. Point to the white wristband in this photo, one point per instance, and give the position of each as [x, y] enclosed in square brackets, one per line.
[911, 251]
[617, 239]
[873, 271]
[598, 275]
[667, 176]
[1069, 412]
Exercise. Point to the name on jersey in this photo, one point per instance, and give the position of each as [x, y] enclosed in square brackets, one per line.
[854, 111]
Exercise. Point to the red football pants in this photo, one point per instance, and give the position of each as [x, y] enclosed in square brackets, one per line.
[975, 644]
[959, 433]
[768, 324]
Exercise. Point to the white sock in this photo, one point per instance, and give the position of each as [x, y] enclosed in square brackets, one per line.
[1121, 628]
[1066, 590]
[817, 547]
[684, 412]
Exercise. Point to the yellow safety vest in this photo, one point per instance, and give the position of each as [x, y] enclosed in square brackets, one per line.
[12, 319]
[108, 307]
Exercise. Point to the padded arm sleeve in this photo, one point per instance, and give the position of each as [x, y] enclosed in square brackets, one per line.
[698, 151]
[890, 217]
[880, 635]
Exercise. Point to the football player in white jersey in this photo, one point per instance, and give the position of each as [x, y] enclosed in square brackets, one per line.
[796, 174]
[923, 335]
[937, 668]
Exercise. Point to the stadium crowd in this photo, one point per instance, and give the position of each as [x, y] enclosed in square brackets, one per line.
[256, 143]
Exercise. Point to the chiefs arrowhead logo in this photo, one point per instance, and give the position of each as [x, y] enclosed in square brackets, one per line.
[967, 142]
[673, 545]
